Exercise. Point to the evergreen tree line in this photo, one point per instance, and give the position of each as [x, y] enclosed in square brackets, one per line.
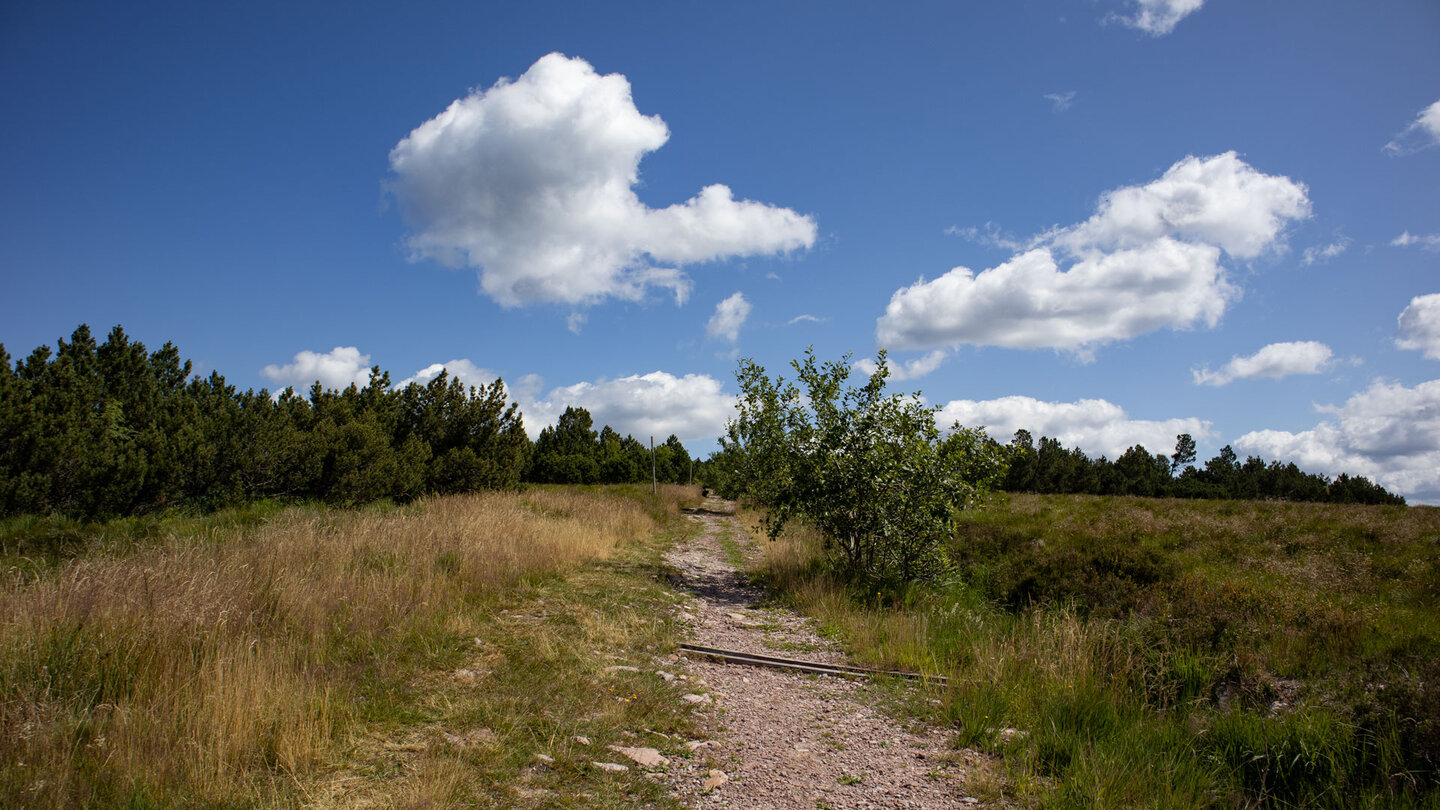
[97, 430]
[1050, 468]
[571, 452]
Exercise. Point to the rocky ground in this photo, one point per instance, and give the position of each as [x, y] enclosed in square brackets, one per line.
[784, 739]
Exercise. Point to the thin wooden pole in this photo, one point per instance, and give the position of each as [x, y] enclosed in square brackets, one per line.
[654, 485]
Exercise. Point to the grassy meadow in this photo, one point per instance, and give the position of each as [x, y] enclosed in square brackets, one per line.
[413, 656]
[1133, 652]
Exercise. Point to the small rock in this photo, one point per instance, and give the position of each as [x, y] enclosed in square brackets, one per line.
[472, 737]
[696, 700]
[696, 745]
[468, 675]
[645, 757]
[1008, 734]
[545, 759]
[665, 675]
[714, 780]
[611, 767]
[622, 668]
[582, 740]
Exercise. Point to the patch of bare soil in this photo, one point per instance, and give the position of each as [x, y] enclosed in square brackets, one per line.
[784, 739]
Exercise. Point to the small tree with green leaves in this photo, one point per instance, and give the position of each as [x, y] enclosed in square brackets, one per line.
[866, 468]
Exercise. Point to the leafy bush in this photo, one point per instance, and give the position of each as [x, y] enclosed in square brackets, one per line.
[869, 470]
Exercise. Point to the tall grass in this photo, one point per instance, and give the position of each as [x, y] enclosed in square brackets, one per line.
[1140, 652]
[229, 664]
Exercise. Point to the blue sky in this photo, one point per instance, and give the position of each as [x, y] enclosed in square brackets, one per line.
[1108, 221]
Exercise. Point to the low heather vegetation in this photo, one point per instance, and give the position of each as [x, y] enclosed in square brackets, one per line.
[1169, 653]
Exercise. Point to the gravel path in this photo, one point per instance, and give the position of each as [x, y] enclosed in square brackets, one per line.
[788, 740]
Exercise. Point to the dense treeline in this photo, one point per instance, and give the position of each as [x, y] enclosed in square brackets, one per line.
[571, 452]
[96, 430]
[1052, 469]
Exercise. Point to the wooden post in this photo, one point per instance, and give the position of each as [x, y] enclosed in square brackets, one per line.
[654, 485]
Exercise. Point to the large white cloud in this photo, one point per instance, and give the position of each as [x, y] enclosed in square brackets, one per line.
[531, 183]
[1388, 433]
[1273, 361]
[1159, 17]
[1096, 426]
[1423, 133]
[336, 369]
[729, 316]
[693, 407]
[1420, 326]
[1148, 259]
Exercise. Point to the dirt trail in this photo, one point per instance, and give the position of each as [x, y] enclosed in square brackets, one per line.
[788, 740]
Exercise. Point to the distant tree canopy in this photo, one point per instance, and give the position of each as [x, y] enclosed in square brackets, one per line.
[1050, 468]
[571, 452]
[96, 430]
[106, 429]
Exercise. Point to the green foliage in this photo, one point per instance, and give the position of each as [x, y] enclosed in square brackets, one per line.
[98, 430]
[571, 452]
[1051, 469]
[867, 469]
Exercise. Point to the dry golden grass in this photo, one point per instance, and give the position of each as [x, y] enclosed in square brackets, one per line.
[225, 668]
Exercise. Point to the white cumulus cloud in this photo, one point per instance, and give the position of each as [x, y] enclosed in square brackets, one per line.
[1096, 426]
[335, 369]
[1423, 133]
[693, 407]
[729, 316]
[1274, 361]
[1388, 433]
[1148, 259]
[464, 370]
[531, 182]
[1159, 17]
[1420, 326]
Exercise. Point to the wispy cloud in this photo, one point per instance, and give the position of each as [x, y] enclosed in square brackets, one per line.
[1423, 133]
[1324, 253]
[1429, 241]
[1062, 101]
[989, 236]
[804, 318]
